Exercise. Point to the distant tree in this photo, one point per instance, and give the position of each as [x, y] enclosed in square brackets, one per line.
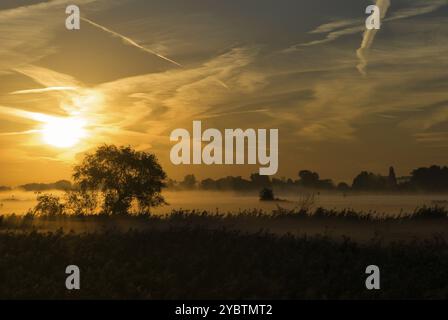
[233, 183]
[63, 185]
[368, 181]
[325, 184]
[48, 205]
[258, 180]
[189, 182]
[4, 188]
[208, 184]
[343, 187]
[266, 194]
[122, 175]
[308, 178]
[434, 178]
[170, 184]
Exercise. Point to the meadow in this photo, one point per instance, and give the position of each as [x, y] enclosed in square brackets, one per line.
[19, 201]
[201, 255]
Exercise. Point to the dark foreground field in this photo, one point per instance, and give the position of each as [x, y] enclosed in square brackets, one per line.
[184, 256]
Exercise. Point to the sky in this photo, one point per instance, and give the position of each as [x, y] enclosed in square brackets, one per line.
[343, 99]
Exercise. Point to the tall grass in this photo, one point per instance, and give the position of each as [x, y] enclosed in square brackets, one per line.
[195, 263]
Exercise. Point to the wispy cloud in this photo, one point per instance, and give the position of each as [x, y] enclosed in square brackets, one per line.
[337, 29]
[27, 31]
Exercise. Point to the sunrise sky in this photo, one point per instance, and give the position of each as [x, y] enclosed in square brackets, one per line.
[343, 100]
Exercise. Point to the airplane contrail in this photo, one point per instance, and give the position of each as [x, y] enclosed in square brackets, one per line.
[130, 41]
[369, 37]
[18, 133]
[42, 90]
[36, 116]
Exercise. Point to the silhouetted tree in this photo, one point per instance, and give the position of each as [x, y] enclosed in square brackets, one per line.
[308, 178]
[122, 175]
[189, 182]
[208, 184]
[368, 181]
[325, 184]
[259, 180]
[48, 205]
[434, 178]
[266, 194]
[58, 185]
[343, 187]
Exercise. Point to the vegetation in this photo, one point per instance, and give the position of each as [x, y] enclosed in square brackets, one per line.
[431, 179]
[267, 194]
[63, 185]
[199, 255]
[122, 175]
[195, 263]
[425, 179]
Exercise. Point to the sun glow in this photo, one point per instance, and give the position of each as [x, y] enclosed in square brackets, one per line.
[63, 132]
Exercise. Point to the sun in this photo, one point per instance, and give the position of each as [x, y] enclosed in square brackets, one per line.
[63, 132]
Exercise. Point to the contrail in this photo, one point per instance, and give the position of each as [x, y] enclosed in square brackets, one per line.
[130, 41]
[5, 134]
[36, 116]
[42, 90]
[369, 36]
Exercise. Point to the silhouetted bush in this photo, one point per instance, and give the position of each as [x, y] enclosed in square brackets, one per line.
[267, 194]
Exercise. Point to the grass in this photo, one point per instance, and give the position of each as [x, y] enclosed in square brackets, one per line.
[178, 257]
[208, 264]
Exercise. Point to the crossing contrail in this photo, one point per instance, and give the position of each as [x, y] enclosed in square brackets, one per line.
[369, 36]
[130, 41]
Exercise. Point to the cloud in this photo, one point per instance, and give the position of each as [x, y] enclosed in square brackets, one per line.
[27, 31]
[143, 108]
[337, 29]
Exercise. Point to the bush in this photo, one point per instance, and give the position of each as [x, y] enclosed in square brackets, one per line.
[267, 194]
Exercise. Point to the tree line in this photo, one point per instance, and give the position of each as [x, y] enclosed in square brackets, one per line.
[121, 180]
[433, 178]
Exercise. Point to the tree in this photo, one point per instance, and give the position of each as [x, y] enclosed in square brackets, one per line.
[308, 178]
[342, 186]
[368, 181]
[434, 178]
[189, 181]
[48, 205]
[266, 194]
[259, 180]
[122, 175]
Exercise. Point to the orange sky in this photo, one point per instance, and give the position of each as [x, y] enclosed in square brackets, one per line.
[140, 69]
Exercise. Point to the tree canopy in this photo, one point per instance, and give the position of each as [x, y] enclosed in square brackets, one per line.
[122, 175]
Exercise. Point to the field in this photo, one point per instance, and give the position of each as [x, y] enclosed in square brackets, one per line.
[197, 255]
[18, 201]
